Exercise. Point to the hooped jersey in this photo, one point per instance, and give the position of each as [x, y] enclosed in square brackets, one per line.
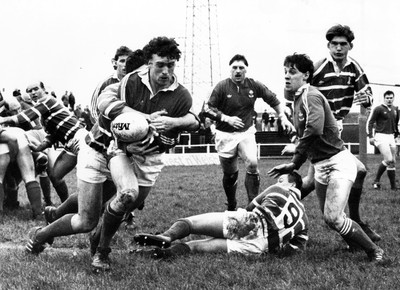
[283, 217]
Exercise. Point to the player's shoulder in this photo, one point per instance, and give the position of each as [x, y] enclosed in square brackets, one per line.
[356, 64]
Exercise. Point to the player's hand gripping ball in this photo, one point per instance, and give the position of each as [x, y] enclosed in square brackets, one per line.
[130, 127]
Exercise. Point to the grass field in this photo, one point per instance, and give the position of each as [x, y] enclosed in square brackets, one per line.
[184, 191]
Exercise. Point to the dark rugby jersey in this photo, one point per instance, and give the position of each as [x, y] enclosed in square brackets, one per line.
[339, 87]
[315, 126]
[134, 91]
[386, 120]
[56, 119]
[231, 99]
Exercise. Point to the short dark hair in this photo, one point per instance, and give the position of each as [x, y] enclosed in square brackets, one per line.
[134, 60]
[16, 93]
[388, 93]
[122, 50]
[238, 57]
[296, 178]
[162, 46]
[340, 30]
[302, 62]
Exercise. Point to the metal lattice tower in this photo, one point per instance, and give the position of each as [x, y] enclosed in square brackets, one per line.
[202, 68]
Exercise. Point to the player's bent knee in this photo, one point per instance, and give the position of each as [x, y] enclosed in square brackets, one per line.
[124, 201]
[333, 222]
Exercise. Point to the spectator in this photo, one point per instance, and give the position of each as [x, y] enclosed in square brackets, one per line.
[71, 101]
[65, 99]
[265, 120]
[78, 111]
[272, 122]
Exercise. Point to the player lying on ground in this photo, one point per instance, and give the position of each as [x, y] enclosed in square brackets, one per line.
[275, 221]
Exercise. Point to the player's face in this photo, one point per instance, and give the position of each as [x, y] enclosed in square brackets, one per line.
[162, 71]
[339, 47]
[120, 65]
[388, 100]
[238, 71]
[294, 78]
[35, 91]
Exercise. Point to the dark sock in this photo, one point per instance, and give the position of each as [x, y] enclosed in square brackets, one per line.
[353, 234]
[229, 181]
[11, 197]
[70, 205]
[35, 197]
[379, 173]
[392, 177]
[1, 196]
[61, 227]
[354, 203]
[176, 250]
[252, 184]
[110, 225]
[179, 230]
[46, 189]
[62, 190]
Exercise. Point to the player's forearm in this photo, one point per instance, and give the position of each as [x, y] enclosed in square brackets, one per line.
[189, 122]
[11, 120]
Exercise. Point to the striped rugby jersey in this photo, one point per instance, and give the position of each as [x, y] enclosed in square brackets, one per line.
[339, 87]
[56, 119]
[283, 217]
[94, 111]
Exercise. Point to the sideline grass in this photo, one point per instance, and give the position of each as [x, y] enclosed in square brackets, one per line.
[183, 191]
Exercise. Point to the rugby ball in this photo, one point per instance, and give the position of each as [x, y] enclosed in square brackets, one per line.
[130, 127]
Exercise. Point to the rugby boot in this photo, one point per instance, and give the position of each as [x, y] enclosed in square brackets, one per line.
[33, 246]
[100, 260]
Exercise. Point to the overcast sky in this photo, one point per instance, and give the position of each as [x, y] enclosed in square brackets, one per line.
[68, 44]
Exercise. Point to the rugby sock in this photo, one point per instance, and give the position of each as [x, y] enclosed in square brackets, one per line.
[381, 170]
[35, 197]
[252, 184]
[70, 205]
[354, 203]
[353, 234]
[391, 172]
[180, 229]
[11, 197]
[229, 181]
[110, 225]
[62, 190]
[46, 189]
[1, 196]
[61, 227]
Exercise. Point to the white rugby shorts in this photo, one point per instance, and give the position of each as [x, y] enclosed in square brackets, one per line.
[344, 166]
[387, 139]
[226, 143]
[92, 166]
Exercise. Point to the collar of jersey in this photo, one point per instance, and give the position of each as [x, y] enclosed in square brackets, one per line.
[144, 76]
[302, 89]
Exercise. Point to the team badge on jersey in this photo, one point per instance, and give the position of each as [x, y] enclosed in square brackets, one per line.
[251, 94]
[229, 96]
